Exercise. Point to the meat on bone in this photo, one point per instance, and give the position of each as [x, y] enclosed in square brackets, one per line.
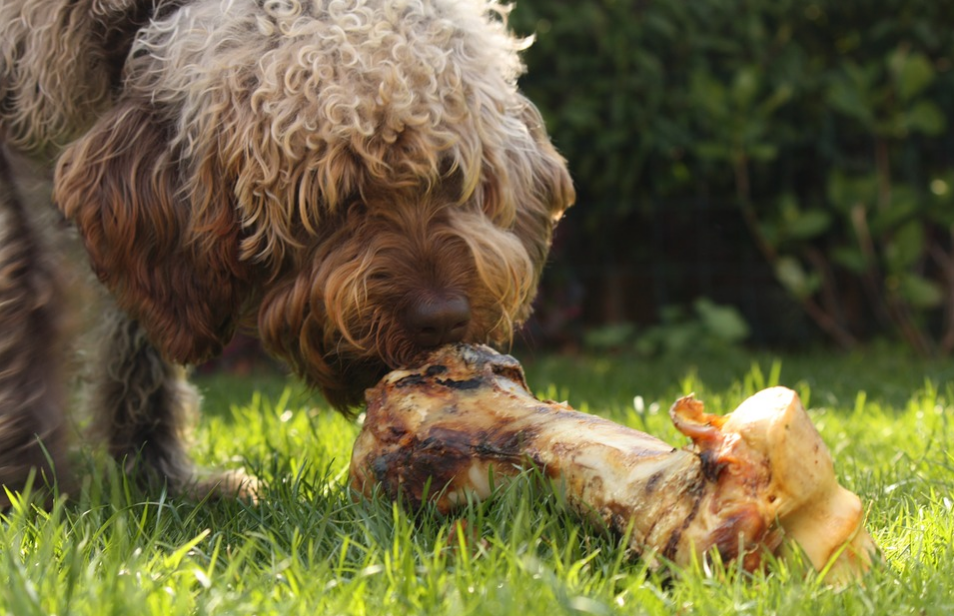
[750, 483]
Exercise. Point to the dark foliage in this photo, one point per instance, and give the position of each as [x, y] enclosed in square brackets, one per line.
[773, 154]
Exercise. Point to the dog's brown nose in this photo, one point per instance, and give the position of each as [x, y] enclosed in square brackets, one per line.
[433, 321]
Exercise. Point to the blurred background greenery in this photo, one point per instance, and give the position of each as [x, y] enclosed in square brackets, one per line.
[790, 163]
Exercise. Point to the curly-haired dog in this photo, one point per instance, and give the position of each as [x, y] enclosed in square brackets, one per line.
[354, 181]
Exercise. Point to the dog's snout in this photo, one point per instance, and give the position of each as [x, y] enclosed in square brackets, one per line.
[434, 321]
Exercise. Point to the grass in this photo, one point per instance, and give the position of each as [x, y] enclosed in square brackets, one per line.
[311, 549]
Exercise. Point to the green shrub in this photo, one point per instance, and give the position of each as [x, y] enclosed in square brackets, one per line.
[826, 123]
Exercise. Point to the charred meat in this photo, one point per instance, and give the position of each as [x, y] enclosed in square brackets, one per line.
[748, 480]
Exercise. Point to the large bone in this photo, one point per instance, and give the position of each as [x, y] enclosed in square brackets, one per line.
[749, 479]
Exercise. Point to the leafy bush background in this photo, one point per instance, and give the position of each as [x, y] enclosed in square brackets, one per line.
[812, 138]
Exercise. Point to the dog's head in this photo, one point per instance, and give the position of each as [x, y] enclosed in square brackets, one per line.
[358, 183]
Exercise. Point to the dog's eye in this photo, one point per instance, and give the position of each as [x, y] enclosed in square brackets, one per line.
[379, 276]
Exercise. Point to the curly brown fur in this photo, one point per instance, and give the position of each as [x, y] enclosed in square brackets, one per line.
[313, 171]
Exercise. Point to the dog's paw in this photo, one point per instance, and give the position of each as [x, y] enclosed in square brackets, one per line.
[235, 484]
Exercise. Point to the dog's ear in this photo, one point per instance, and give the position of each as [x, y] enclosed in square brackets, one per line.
[541, 185]
[170, 261]
[552, 183]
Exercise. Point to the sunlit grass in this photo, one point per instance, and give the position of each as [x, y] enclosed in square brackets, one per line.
[310, 548]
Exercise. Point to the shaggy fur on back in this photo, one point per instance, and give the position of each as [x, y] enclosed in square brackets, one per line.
[306, 170]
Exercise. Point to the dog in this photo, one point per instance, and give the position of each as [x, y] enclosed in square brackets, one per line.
[354, 182]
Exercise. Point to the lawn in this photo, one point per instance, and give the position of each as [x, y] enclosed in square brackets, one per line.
[311, 549]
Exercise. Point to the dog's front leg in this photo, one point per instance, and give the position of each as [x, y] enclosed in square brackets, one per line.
[142, 406]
